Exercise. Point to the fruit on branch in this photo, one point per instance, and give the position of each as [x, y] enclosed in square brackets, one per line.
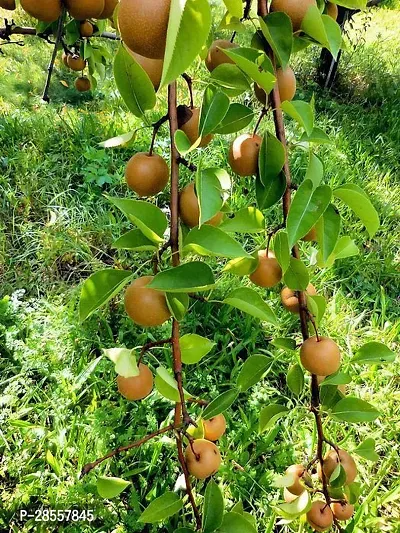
[342, 510]
[84, 9]
[300, 474]
[86, 29]
[290, 300]
[45, 10]
[153, 67]
[320, 516]
[311, 235]
[146, 174]
[216, 56]
[320, 357]
[332, 10]
[189, 210]
[143, 25]
[331, 461]
[136, 387]
[294, 9]
[288, 496]
[268, 272]
[286, 81]
[109, 8]
[243, 154]
[215, 427]
[203, 460]
[8, 4]
[76, 62]
[190, 126]
[82, 84]
[146, 307]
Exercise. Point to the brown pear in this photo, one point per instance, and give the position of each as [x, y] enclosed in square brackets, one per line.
[82, 84]
[191, 128]
[243, 154]
[203, 460]
[76, 63]
[342, 510]
[153, 67]
[268, 272]
[295, 9]
[331, 461]
[286, 82]
[215, 427]
[136, 387]
[300, 474]
[143, 25]
[146, 174]
[45, 10]
[86, 29]
[320, 357]
[84, 9]
[320, 516]
[109, 8]
[216, 56]
[290, 301]
[8, 4]
[146, 307]
[332, 10]
[189, 208]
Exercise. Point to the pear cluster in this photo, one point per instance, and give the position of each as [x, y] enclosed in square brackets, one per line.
[50, 10]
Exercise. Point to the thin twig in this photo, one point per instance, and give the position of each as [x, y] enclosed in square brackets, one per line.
[185, 163]
[151, 345]
[189, 82]
[50, 68]
[262, 115]
[158, 256]
[156, 126]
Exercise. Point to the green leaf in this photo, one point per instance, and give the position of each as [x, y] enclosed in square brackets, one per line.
[301, 112]
[148, 217]
[307, 207]
[295, 379]
[133, 83]
[353, 492]
[236, 119]
[110, 487]
[271, 414]
[284, 343]
[167, 385]
[235, 7]
[317, 136]
[247, 220]
[252, 371]
[356, 198]
[338, 477]
[189, 277]
[324, 31]
[188, 29]
[212, 185]
[340, 378]
[352, 4]
[52, 461]
[211, 241]
[250, 302]
[234, 522]
[134, 240]
[213, 508]
[366, 450]
[282, 250]
[121, 140]
[296, 276]
[272, 192]
[278, 31]
[99, 288]
[328, 230]
[184, 530]
[124, 361]
[213, 111]
[220, 404]
[183, 144]
[315, 170]
[161, 508]
[232, 80]
[345, 247]
[298, 507]
[271, 159]
[317, 306]
[254, 64]
[194, 348]
[354, 410]
[329, 396]
[241, 266]
[374, 353]
[178, 304]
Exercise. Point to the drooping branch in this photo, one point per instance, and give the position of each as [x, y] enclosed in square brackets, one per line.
[150, 345]
[50, 68]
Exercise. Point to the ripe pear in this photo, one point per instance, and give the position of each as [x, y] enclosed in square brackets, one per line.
[82, 84]
[300, 475]
[8, 4]
[243, 154]
[86, 29]
[215, 427]
[109, 8]
[320, 357]
[290, 301]
[84, 9]
[295, 9]
[268, 272]
[216, 56]
[206, 459]
[146, 174]
[342, 510]
[45, 10]
[332, 10]
[189, 208]
[143, 25]
[286, 81]
[331, 461]
[320, 516]
[191, 128]
[153, 67]
[136, 387]
[146, 307]
[76, 63]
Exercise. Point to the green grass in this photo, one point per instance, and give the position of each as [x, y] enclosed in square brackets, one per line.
[59, 395]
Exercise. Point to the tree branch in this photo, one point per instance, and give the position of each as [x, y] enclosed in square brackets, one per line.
[50, 68]
[151, 345]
